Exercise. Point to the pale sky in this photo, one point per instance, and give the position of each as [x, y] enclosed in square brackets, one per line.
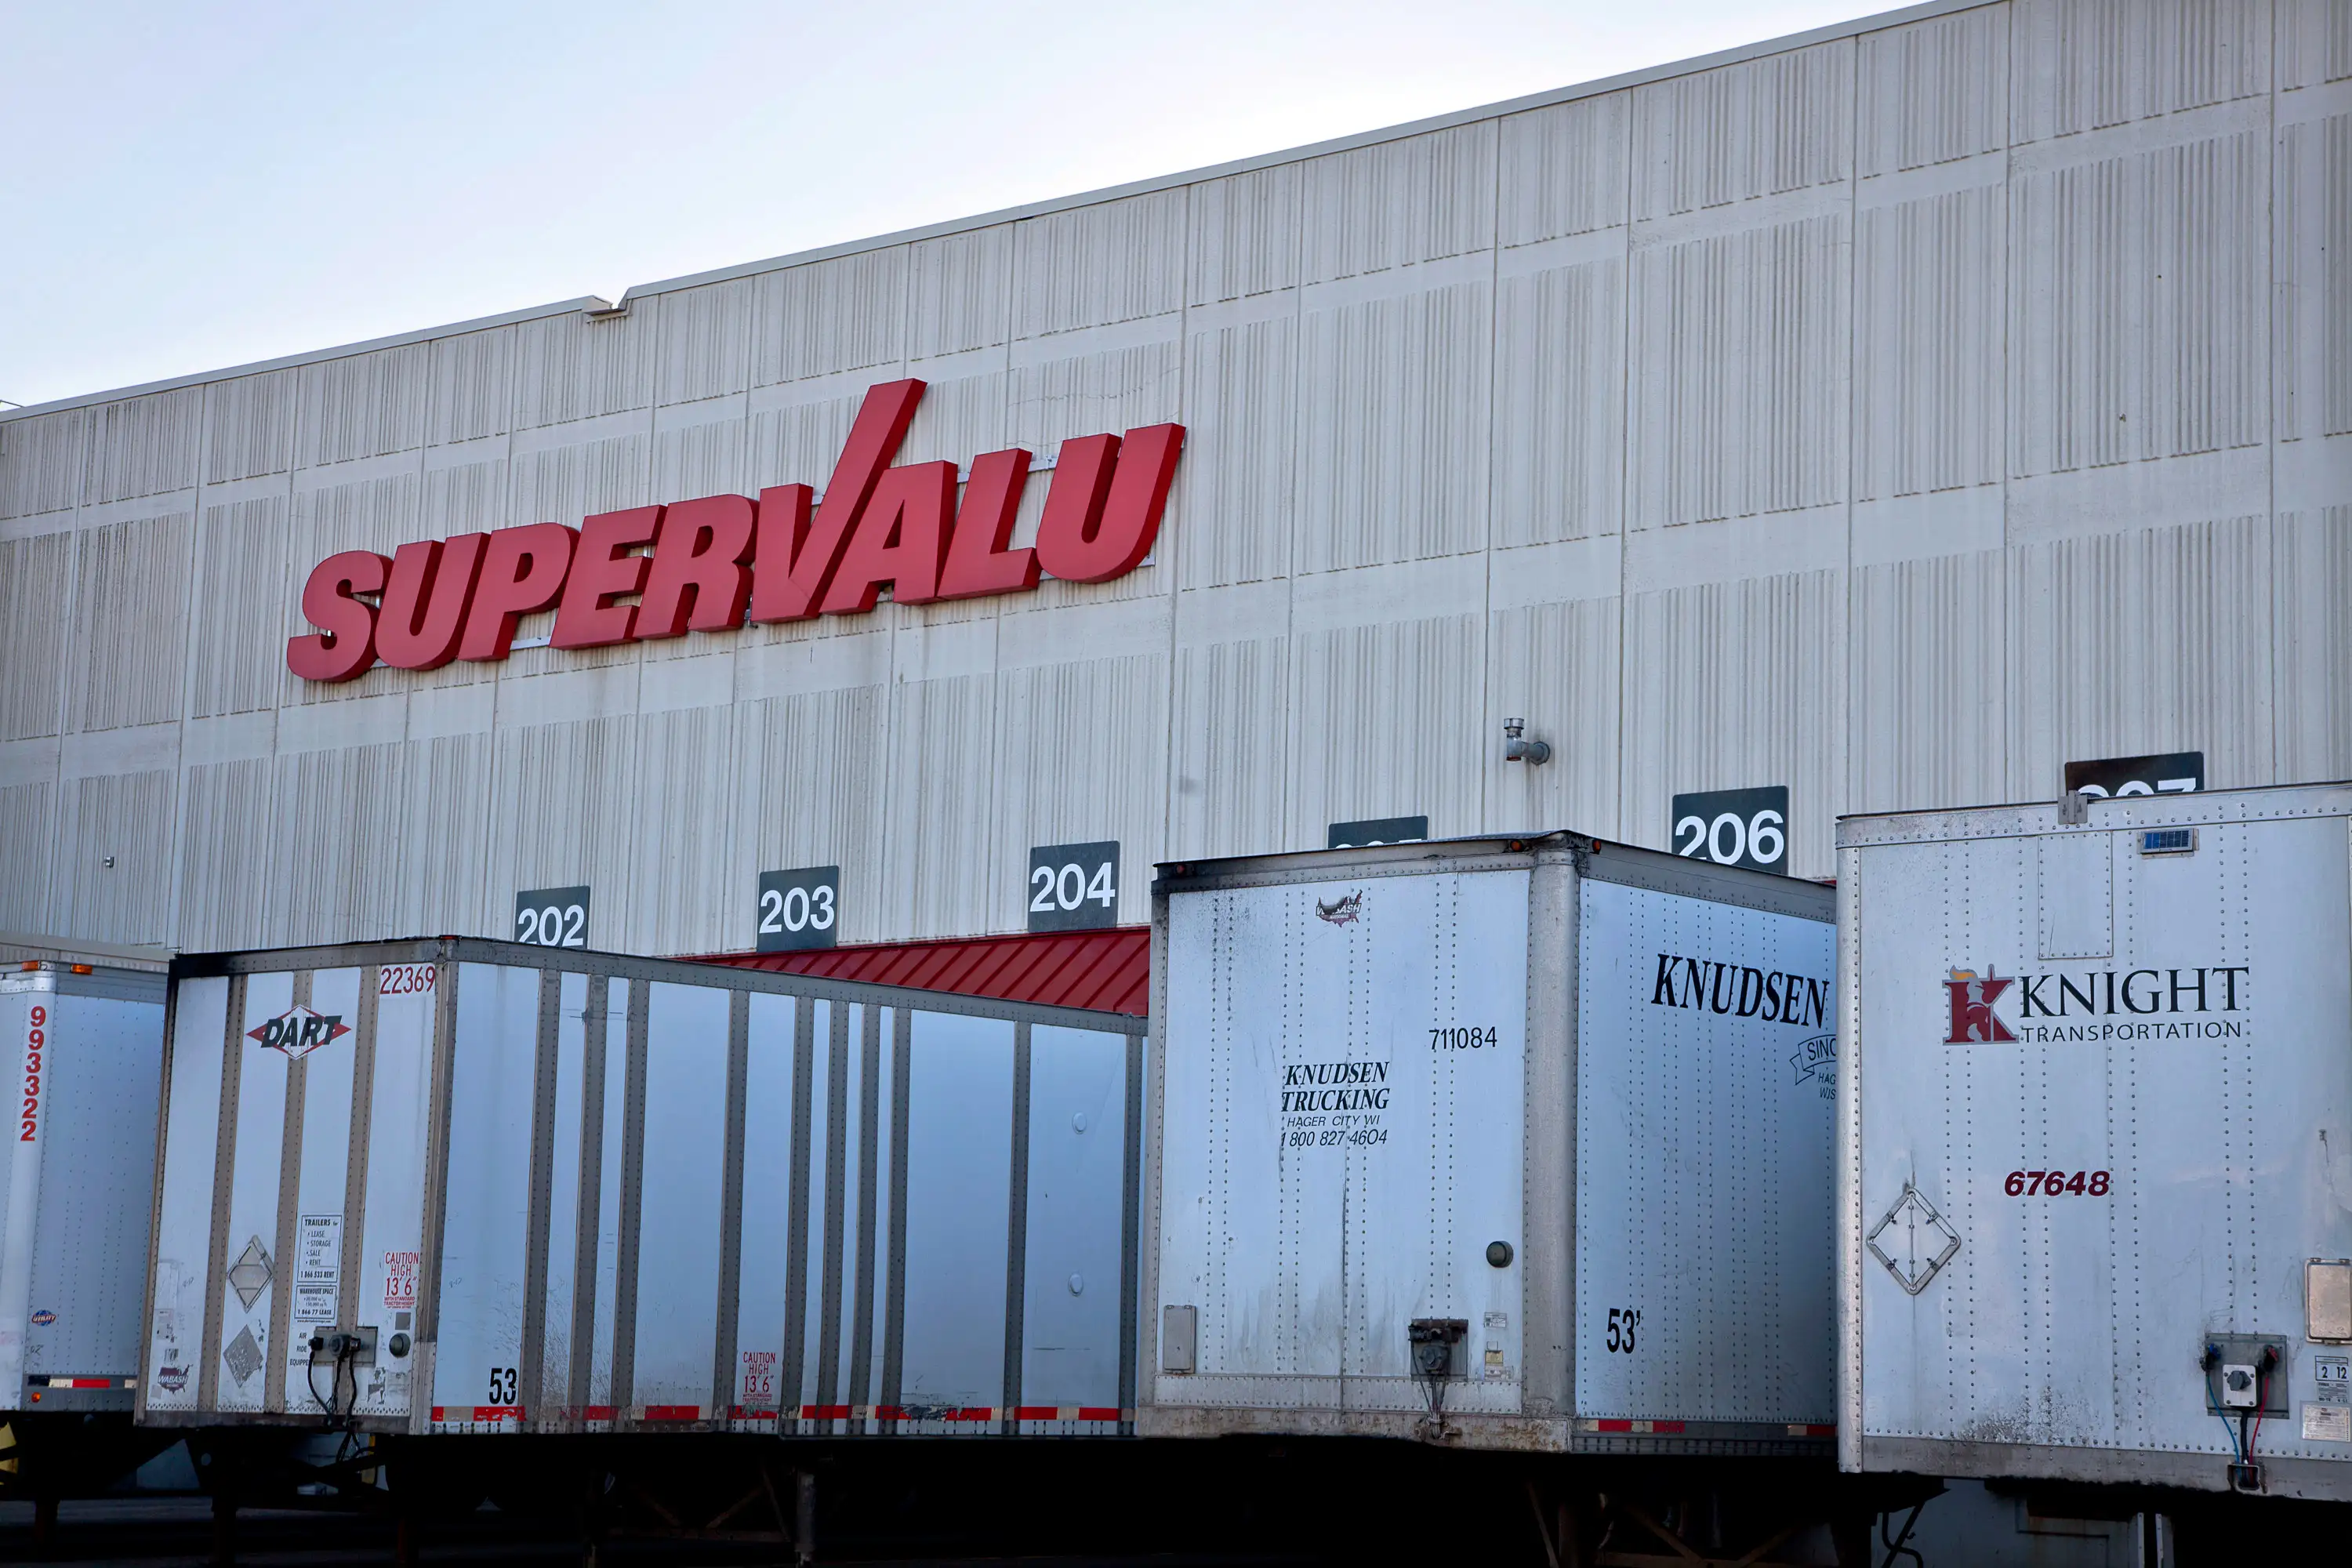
[188, 188]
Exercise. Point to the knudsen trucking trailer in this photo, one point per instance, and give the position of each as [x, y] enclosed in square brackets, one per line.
[88, 1040]
[467, 1206]
[2095, 1173]
[1514, 1145]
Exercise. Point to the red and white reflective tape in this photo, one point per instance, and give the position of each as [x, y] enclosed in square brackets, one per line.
[477, 1412]
[1812, 1430]
[1637, 1427]
[87, 1382]
[971, 1413]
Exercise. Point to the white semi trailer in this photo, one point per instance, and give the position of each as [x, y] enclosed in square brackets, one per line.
[1511, 1144]
[2095, 1170]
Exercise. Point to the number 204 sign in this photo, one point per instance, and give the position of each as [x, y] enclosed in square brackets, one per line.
[1073, 887]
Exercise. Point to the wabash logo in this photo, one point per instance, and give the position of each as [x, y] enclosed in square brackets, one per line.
[299, 1031]
[709, 564]
[1973, 1020]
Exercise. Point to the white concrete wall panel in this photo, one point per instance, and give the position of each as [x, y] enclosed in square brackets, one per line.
[1559, 660]
[1394, 427]
[1245, 235]
[365, 405]
[224, 854]
[808, 772]
[1231, 520]
[1724, 686]
[1560, 408]
[335, 843]
[1226, 794]
[563, 813]
[1070, 740]
[242, 579]
[2311, 643]
[28, 837]
[1894, 417]
[1929, 718]
[936, 859]
[143, 446]
[129, 623]
[2131, 644]
[41, 463]
[249, 427]
[127, 818]
[35, 603]
[1379, 727]
[473, 386]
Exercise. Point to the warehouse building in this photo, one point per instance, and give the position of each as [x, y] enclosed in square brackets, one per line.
[1890, 415]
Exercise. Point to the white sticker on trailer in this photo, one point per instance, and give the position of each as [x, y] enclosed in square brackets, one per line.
[318, 1267]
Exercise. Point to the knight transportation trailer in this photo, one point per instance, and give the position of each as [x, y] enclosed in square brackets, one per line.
[2094, 1205]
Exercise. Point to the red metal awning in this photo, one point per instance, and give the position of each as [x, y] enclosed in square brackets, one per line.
[1108, 971]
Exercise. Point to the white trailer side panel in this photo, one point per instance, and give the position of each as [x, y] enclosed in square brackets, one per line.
[76, 1185]
[1346, 1063]
[562, 1191]
[1706, 1075]
[2103, 1121]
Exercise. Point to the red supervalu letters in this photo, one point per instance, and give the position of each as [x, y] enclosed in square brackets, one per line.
[716, 562]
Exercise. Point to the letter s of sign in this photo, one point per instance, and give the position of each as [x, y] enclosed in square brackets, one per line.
[343, 648]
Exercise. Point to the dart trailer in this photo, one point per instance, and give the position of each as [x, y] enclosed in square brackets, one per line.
[2095, 1171]
[1509, 1143]
[455, 1186]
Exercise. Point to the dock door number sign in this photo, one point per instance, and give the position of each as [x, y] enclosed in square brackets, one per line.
[552, 917]
[799, 909]
[1734, 826]
[2174, 772]
[1073, 887]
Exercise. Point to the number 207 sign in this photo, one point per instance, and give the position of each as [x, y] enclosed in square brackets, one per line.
[799, 909]
[1734, 826]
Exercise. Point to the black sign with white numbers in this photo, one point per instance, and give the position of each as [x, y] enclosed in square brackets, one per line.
[1073, 887]
[2174, 772]
[1378, 830]
[1734, 826]
[799, 909]
[552, 917]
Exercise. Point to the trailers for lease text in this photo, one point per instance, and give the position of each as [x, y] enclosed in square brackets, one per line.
[2095, 1199]
[462, 1186]
[1513, 1143]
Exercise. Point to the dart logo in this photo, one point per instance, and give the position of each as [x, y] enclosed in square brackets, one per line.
[299, 1031]
[1973, 1020]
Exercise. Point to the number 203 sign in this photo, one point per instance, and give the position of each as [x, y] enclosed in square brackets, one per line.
[799, 909]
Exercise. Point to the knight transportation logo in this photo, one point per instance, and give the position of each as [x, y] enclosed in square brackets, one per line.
[2095, 1004]
[1973, 1020]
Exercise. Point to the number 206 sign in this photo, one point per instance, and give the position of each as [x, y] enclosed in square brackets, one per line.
[1734, 826]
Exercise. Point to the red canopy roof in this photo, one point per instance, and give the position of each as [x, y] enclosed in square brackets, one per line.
[1109, 970]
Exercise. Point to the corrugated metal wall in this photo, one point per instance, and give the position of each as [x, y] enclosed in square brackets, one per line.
[1894, 417]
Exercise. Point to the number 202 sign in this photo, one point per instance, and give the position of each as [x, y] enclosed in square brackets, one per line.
[552, 917]
[799, 909]
[1073, 887]
[1734, 826]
